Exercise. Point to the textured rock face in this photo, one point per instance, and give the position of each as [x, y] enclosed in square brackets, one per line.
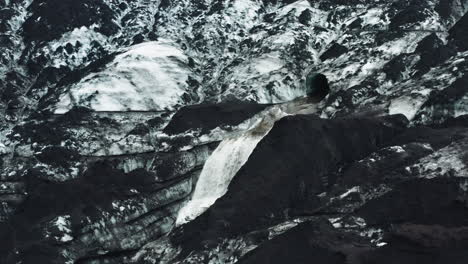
[458, 33]
[50, 19]
[310, 242]
[207, 117]
[369, 183]
[330, 131]
[284, 159]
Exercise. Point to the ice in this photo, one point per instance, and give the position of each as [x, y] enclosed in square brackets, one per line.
[406, 44]
[373, 17]
[148, 77]
[283, 40]
[446, 161]
[405, 105]
[66, 238]
[461, 106]
[4, 149]
[63, 224]
[85, 36]
[231, 154]
[223, 164]
[154, 49]
[247, 8]
[355, 189]
[298, 6]
[268, 63]
[217, 173]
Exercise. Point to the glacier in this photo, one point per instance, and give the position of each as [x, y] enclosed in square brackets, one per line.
[223, 164]
[147, 77]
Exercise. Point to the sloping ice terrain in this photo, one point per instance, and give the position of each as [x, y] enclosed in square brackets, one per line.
[156, 131]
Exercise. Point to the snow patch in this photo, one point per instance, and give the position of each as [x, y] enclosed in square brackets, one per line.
[63, 225]
[406, 44]
[405, 105]
[247, 8]
[298, 6]
[373, 16]
[355, 189]
[86, 36]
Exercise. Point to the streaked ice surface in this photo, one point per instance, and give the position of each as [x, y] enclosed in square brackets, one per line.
[231, 154]
[148, 76]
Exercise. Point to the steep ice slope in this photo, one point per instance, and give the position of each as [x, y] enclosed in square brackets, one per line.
[232, 153]
[147, 77]
[224, 162]
[217, 172]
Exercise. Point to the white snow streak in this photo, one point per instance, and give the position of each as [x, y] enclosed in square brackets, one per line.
[230, 156]
[217, 173]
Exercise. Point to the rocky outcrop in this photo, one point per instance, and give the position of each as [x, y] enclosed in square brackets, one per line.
[50, 19]
[206, 117]
[405, 216]
[301, 147]
[104, 211]
[106, 196]
[294, 170]
[458, 33]
[448, 103]
[320, 242]
[315, 241]
[415, 172]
